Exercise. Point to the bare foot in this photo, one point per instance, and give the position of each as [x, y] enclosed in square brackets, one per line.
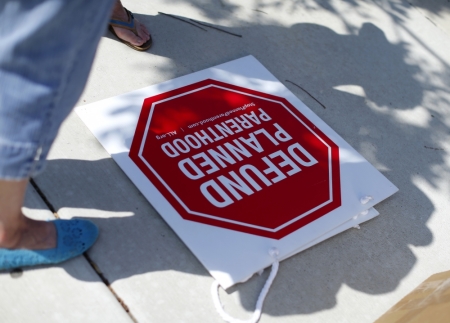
[16, 230]
[29, 234]
[143, 35]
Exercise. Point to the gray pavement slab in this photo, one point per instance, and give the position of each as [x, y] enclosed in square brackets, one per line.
[381, 69]
[69, 292]
[437, 11]
[145, 263]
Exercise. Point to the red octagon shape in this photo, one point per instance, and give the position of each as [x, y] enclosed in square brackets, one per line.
[236, 158]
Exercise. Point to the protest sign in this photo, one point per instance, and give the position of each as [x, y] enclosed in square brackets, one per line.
[237, 166]
[234, 158]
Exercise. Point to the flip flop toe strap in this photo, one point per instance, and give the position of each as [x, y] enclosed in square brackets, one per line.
[130, 24]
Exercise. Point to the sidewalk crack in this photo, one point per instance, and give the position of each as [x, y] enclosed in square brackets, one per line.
[106, 282]
[86, 256]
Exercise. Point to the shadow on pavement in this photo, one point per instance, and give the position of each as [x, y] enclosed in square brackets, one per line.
[372, 260]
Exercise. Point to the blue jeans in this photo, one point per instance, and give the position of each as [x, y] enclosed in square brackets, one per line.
[46, 52]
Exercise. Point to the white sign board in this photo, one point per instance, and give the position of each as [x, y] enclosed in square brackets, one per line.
[237, 165]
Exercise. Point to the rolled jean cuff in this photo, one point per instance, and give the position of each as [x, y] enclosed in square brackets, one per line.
[31, 159]
[46, 52]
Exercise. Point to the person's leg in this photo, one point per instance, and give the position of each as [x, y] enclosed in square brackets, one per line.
[16, 230]
[47, 51]
[46, 54]
[120, 14]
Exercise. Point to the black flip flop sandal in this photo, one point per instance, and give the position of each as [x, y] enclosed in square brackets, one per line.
[130, 25]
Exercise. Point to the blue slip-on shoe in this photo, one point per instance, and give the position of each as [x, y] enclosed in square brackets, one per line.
[73, 238]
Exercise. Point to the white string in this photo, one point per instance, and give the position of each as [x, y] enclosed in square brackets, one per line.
[259, 303]
[366, 199]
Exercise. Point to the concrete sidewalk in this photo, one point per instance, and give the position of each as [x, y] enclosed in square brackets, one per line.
[381, 69]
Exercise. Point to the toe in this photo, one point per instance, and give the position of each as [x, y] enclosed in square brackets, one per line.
[128, 36]
[145, 31]
[135, 40]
